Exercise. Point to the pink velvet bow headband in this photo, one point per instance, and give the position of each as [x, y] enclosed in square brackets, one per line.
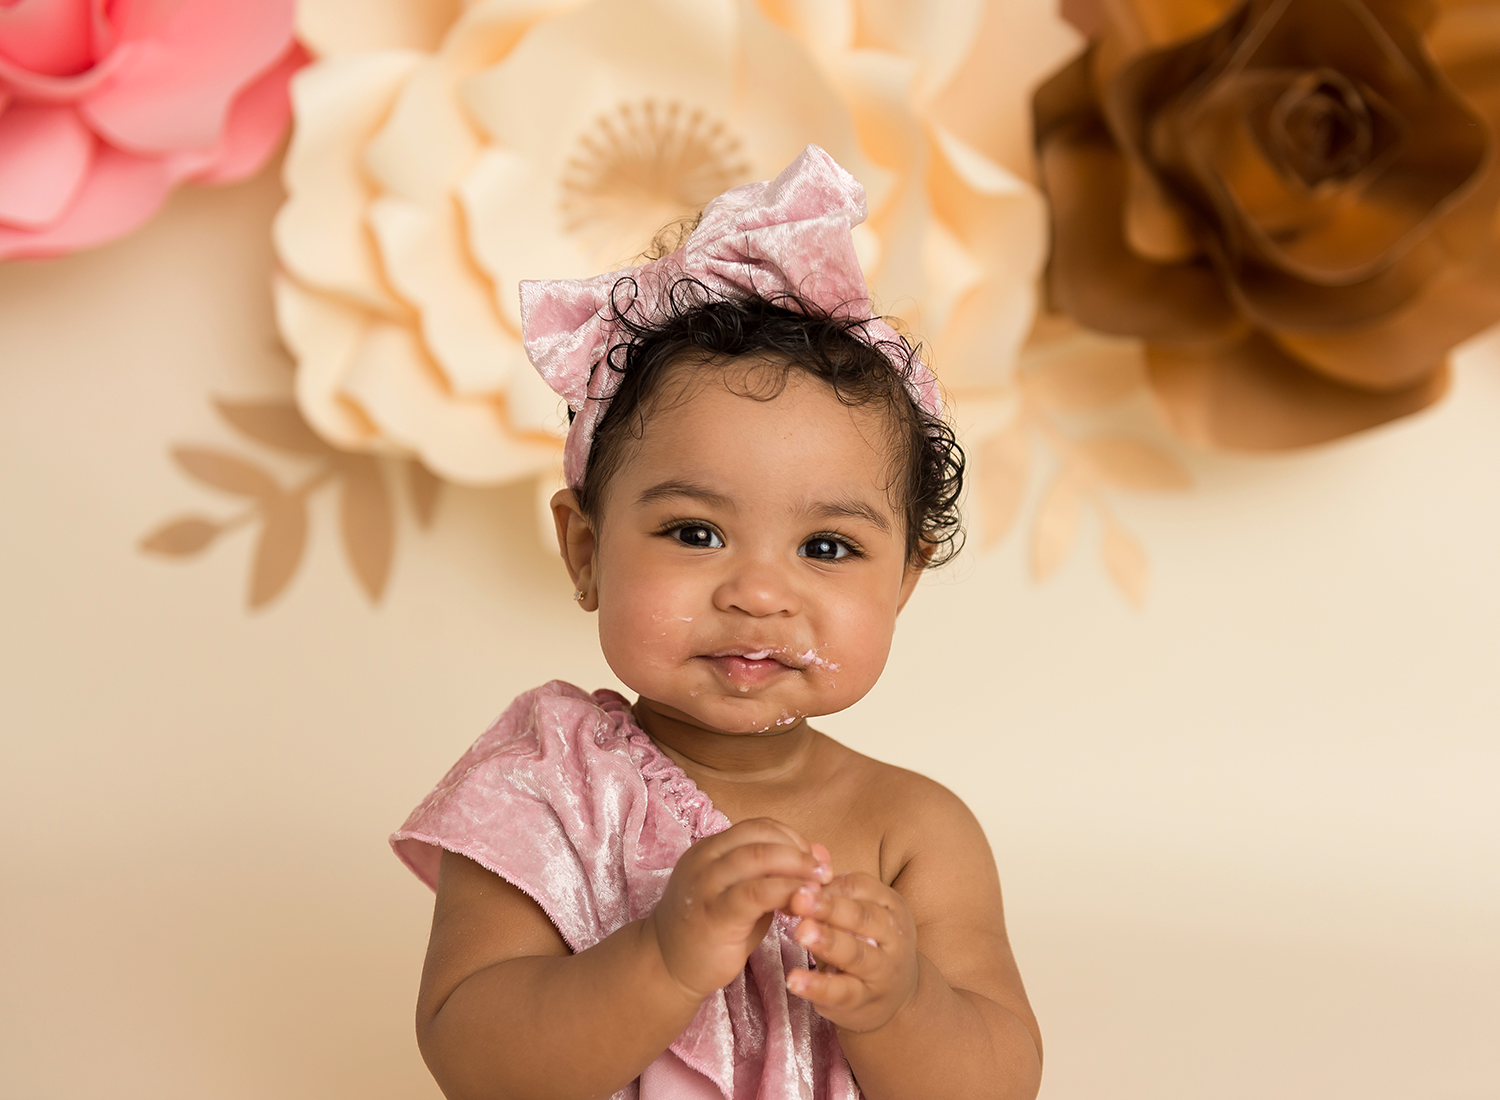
[787, 236]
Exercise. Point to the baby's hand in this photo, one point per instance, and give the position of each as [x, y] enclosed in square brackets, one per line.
[723, 895]
[864, 937]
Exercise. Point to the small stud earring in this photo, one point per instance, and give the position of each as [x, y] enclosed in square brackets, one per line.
[578, 594]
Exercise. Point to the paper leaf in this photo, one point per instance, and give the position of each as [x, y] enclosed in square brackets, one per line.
[425, 487]
[1004, 460]
[275, 423]
[283, 535]
[1056, 525]
[1089, 378]
[1130, 463]
[181, 537]
[366, 522]
[226, 471]
[1125, 561]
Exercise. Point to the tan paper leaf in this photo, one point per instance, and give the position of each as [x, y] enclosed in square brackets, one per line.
[226, 471]
[1004, 460]
[425, 488]
[1089, 378]
[1130, 463]
[1125, 561]
[366, 522]
[275, 423]
[1056, 525]
[283, 536]
[181, 537]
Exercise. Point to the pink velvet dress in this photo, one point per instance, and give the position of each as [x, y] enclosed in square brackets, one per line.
[569, 800]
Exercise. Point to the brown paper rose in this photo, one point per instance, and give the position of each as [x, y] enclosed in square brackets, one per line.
[1293, 202]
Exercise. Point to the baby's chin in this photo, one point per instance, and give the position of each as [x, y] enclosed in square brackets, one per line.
[734, 716]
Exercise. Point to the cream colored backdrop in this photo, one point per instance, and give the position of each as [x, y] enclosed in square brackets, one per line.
[1250, 836]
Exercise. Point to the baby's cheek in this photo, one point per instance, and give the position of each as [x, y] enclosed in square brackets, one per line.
[644, 632]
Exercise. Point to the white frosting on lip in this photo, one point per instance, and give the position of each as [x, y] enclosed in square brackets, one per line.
[811, 658]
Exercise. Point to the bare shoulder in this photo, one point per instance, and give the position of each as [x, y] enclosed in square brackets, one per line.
[921, 823]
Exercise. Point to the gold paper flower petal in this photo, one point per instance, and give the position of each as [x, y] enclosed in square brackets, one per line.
[1397, 351]
[1250, 395]
[1336, 161]
[1093, 274]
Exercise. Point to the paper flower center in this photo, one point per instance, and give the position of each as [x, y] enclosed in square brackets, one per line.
[640, 168]
[1323, 128]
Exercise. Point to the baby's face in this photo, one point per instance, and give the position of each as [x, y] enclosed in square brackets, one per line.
[749, 563]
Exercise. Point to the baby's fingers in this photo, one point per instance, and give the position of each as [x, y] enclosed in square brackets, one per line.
[751, 899]
[827, 991]
[837, 947]
[855, 910]
[750, 861]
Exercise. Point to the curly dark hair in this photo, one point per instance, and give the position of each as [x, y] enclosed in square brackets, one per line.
[784, 333]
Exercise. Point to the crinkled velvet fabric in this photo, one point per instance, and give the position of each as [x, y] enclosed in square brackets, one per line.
[569, 800]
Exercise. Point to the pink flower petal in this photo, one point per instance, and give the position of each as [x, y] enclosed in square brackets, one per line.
[44, 155]
[47, 36]
[118, 194]
[129, 20]
[175, 89]
[256, 122]
[41, 88]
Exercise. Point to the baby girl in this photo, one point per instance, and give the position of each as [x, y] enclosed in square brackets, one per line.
[697, 894]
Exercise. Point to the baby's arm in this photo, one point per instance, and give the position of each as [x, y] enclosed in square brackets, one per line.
[935, 1006]
[505, 1010]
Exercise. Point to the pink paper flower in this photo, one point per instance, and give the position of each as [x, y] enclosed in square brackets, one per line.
[106, 105]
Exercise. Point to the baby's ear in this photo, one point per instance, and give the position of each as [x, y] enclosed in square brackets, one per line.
[914, 569]
[576, 544]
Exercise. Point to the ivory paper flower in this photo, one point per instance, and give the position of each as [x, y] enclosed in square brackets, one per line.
[434, 166]
[1294, 202]
[107, 106]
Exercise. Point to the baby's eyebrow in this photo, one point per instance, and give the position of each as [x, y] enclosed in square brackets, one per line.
[849, 508]
[666, 490]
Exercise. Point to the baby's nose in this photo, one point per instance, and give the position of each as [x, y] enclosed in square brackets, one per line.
[759, 589]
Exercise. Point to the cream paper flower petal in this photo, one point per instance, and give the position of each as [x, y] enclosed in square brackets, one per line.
[786, 100]
[986, 104]
[425, 142]
[997, 220]
[579, 182]
[461, 439]
[937, 34]
[878, 86]
[323, 334]
[444, 154]
[330, 27]
[963, 236]
[320, 233]
[424, 252]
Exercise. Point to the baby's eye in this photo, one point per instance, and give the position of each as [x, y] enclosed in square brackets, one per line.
[825, 548]
[697, 535]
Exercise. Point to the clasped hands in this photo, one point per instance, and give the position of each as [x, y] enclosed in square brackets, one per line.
[724, 894]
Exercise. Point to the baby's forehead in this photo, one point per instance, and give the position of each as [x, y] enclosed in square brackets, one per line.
[776, 437]
[695, 397]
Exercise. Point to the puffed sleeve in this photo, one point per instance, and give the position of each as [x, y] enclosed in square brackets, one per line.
[552, 799]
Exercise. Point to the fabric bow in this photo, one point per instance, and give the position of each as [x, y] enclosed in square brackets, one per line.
[790, 235]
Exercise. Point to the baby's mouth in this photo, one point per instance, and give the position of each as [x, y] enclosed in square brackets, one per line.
[747, 669]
